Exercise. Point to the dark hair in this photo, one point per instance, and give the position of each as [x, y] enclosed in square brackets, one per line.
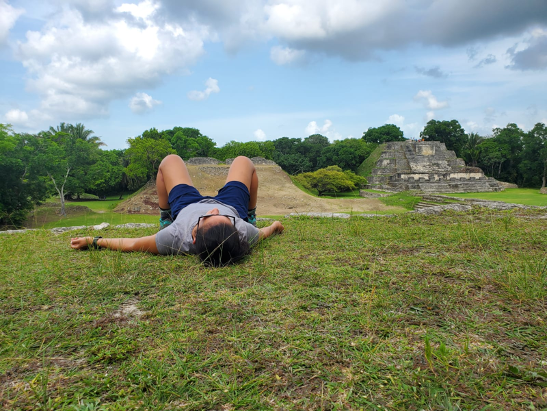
[219, 245]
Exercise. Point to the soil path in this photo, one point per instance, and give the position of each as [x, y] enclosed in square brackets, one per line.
[277, 195]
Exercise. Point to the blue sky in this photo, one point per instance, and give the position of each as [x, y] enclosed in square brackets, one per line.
[262, 69]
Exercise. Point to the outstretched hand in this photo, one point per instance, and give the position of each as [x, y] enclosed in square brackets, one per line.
[80, 242]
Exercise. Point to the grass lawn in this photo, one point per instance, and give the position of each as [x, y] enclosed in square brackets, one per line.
[530, 197]
[85, 213]
[92, 218]
[409, 312]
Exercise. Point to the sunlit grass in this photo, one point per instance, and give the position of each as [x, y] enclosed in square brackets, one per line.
[530, 197]
[396, 313]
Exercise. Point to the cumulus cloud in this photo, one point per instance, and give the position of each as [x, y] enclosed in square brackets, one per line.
[211, 86]
[17, 117]
[260, 135]
[78, 67]
[429, 100]
[429, 116]
[285, 55]
[396, 119]
[356, 29]
[534, 57]
[434, 72]
[142, 102]
[8, 17]
[487, 60]
[326, 130]
[21, 118]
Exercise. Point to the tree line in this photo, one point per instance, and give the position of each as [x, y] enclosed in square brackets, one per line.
[69, 160]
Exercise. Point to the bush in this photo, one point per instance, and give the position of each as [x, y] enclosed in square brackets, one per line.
[330, 179]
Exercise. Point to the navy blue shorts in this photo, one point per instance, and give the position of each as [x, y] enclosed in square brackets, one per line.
[233, 194]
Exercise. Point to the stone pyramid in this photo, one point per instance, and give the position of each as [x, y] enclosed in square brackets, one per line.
[428, 167]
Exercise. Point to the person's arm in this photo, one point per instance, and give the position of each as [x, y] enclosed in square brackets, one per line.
[140, 244]
[265, 232]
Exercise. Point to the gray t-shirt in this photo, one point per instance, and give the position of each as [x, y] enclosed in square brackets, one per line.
[176, 238]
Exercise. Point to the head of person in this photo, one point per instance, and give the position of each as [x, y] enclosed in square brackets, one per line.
[216, 240]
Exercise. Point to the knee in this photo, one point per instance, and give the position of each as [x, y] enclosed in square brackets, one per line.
[171, 158]
[244, 160]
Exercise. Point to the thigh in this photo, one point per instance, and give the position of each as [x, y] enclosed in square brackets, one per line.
[241, 170]
[174, 172]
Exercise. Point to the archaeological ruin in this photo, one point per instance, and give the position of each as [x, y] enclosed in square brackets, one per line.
[428, 167]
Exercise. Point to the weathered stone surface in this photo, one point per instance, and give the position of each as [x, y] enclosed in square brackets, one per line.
[543, 190]
[372, 195]
[336, 215]
[202, 161]
[313, 214]
[103, 225]
[58, 230]
[135, 225]
[506, 185]
[429, 168]
[262, 161]
[256, 160]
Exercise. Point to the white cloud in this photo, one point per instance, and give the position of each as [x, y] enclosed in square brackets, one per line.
[142, 102]
[211, 86]
[286, 55]
[429, 100]
[17, 117]
[326, 130]
[21, 118]
[396, 119]
[429, 116]
[77, 67]
[260, 135]
[472, 126]
[8, 17]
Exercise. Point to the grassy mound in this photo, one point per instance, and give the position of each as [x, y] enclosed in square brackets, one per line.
[370, 162]
[412, 312]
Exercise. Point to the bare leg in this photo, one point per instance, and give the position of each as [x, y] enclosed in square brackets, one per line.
[172, 172]
[243, 170]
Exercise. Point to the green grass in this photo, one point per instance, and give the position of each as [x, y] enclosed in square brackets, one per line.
[98, 205]
[92, 218]
[365, 169]
[530, 197]
[405, 200]
[402, 313]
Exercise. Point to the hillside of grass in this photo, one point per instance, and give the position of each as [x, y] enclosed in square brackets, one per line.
[402, 313]
[365, 169]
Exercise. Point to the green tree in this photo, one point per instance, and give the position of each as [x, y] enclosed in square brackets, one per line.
[383, 134]
[510, 142]
[189, 142]
[450, 133]
[106, 174]
[472, 149]
[20, 188]
[144, 156]
[533, 166]
[311, 147]
[347, 154]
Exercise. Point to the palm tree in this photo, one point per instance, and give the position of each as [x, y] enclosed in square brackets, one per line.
[77, 131]
[80, 132]
[472, 147]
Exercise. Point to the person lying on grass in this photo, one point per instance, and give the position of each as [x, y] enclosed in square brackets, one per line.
[220, 230]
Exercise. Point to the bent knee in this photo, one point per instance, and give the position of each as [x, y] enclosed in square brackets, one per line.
[244, 160]
[171, 159]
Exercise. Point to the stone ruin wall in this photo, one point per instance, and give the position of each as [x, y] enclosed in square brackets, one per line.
[429, 167]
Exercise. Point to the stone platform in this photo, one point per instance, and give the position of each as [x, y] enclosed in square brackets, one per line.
[428, 167]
